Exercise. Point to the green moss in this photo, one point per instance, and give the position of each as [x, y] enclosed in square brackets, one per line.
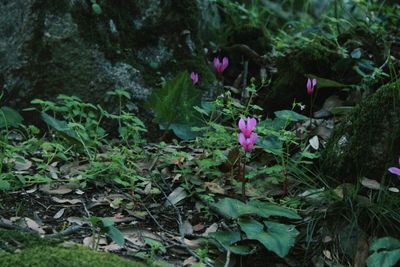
[289, 83]
[10, 239]
[34, 251]
[368, 140]
[43, 256]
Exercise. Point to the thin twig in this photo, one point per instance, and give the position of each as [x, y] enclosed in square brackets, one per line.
[68, 231]
[228, 258]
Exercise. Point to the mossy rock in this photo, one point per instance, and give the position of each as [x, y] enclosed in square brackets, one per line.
[289, 83]
[367, 141]
[26, 249]
[65, 47]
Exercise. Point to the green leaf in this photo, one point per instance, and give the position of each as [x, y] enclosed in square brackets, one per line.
[183, 131]
[267, 210]
[226, 238]
[324, 83]
[272, 144]
[279, 238]
[290, 115]
[173, 105]
[60, 126]
[386, 252]
[116, 235]
[233, 208]
[241, 249]
[387, 243]
[9, 117]
[107, 222]
[4, 185]
[96, 9]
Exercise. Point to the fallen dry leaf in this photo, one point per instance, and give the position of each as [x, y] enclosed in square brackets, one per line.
[190, 261]
[214, 187]
[371, 184]
[77, 220]
[34, 226]
[177, 195]
[112, 247]
[90, 241]
[62, 201]
[187, 228]
[59, 214]
[198, 227]
[21, 164]
[211, 229]
[60, 190]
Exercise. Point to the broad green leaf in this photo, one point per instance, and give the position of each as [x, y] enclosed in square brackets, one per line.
[241, 249]
[226, 238]
[60, 126]
[275, 124]
[233, 208]
[271, 144]
[116, 235]
[384, 258]
[278, 238]
[290, 115]
[107, 222]
[9, 117]
[267, 210]
[324, 83]
[387, 243]
[183, 131]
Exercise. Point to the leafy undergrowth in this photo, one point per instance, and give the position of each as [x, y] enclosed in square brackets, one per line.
[183, 202]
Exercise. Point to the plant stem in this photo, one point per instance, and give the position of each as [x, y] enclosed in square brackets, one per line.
[244, 179]
[311, 107]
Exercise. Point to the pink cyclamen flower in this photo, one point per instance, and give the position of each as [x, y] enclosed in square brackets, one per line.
[247, 143]
[247, 138]
[220, 66]
[395, 170]
[311, 85]
[247, 126]
[194, 77]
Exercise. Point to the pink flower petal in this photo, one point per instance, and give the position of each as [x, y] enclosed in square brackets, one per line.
[194, 77]
[394, 170]
[253, 138]
[314, 82]
[242, 139]
[217, 64]
[242, 125]
[251, 124]
[225, 63]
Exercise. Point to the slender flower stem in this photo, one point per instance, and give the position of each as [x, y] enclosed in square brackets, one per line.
[311, 108]
[244, 178]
